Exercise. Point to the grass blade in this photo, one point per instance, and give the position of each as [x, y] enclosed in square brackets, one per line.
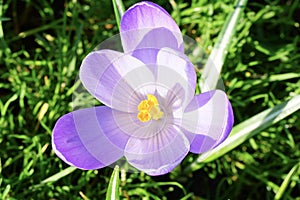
[286, 181]
[247, 129]
[113, 187]
[54, 177]
[119, 10]
[59, 175]
[213, 67]
[3, 45]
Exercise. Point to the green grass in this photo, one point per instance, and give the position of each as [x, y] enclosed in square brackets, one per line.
[41, 48]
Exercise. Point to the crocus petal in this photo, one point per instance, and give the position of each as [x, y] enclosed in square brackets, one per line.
[88, 138]
[207, 120]
[143, 18]
[116, 79]
[152, 41]
[160, 154]
[174, 68]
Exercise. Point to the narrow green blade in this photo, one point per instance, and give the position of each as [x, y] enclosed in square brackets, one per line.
[214, 64]
[119, 10]
[55, 177]
[113, 187]
[286, 181]
[4, 49]
[247, 129]
[59, 175]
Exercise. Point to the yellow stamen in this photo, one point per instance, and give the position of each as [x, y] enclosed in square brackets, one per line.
[144, 116]
[152, 99]
[144, 105]
[149, 109]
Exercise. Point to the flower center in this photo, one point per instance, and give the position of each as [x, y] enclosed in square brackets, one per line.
[149, 109]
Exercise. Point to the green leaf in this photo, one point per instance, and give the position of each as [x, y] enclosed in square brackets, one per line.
[113, 187]
[119, 10]
[247, 129]
[213, 67]
[59, 175]
[3, 45]
[55, 177]
[286, 181]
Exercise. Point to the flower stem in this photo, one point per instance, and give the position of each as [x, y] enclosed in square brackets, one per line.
[119, 10]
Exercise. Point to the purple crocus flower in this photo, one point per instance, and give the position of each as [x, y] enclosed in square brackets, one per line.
[151, 114]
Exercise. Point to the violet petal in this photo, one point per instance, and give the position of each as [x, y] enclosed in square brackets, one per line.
[160, 154]
[207, 120]
[88, 138]
[116, 79]
[174, 68]
[152, 42]
[142, 18]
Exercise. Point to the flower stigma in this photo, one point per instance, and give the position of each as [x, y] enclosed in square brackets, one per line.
[149, 109]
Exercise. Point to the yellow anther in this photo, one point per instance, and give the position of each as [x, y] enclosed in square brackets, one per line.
[152, 99]
[149, 109]
[144, 105]
[144, 116]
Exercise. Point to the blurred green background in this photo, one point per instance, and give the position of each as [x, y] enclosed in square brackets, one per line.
[42, 44]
